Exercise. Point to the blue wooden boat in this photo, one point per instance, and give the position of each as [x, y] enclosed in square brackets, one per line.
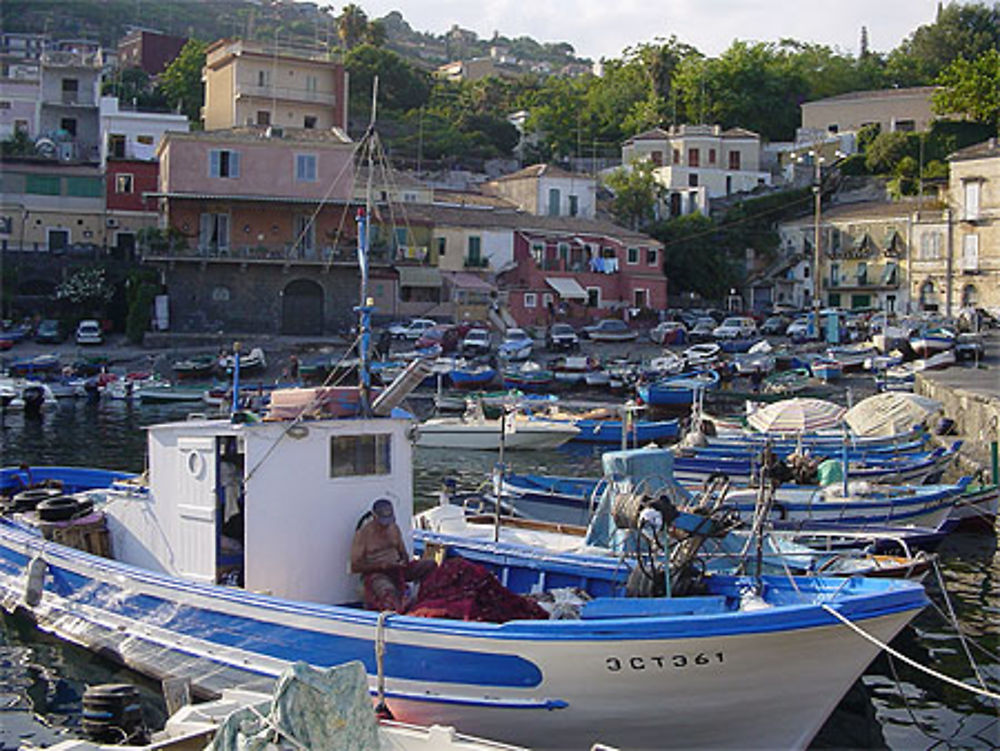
[38, 364]
[528, 377]
[475, 377]
[571, 499]
[610, 431]
[826, 440]
[826, 370]
[679, 390]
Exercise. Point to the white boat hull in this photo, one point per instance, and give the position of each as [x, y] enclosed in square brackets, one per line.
[631, 689]
[486, 437]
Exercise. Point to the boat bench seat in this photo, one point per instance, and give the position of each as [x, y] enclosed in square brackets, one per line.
[646, 607]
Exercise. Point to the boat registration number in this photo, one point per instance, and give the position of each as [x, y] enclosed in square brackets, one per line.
[664, 662]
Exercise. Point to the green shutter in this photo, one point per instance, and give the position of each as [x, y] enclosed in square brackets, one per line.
[42, 185]
[84, 187]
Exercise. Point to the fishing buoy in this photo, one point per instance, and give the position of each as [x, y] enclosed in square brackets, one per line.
[34, 583]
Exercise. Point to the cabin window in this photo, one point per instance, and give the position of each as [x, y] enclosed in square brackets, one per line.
[352, 455]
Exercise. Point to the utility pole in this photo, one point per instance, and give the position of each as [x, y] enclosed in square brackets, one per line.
[817, 271]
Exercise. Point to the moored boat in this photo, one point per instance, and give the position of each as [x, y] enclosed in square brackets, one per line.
[680, 390]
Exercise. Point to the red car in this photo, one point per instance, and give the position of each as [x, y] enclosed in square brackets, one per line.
[446, 337]
[6, 342]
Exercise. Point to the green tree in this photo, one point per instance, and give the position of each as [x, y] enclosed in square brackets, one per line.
[181, 83]
[134, 86]
[960, 30]
[401, 87]
[141, 287]
[887, 149]
[971, 87]
[636, 194]
[693, 260]
[352, 26]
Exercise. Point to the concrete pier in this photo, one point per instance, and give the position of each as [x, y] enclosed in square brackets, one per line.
[971, 397]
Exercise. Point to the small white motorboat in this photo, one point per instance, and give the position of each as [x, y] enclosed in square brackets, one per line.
[702, 355]
[474, 431]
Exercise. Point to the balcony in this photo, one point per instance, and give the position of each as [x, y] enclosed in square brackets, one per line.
[476, 262]
[285, 93]
[260, 254]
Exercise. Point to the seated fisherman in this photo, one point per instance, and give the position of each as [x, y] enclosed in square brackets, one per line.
[379, 555]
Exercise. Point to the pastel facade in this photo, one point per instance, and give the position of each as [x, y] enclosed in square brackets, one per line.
[696, 163]
[543, 189]
[68, 113]
[974, 198]
[132, 134]
[249, 84]
[907, 109]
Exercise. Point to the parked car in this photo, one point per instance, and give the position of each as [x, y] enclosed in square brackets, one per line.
[668, 332]
[88, 331]
[798, 330]
[412, 330]
[774, 325]
[516, 345]
[610, 330]
[444, 336]
[735, 327]
[561, 337]
[702, 329]
[49, 331]
[477, 342]
[6, 342]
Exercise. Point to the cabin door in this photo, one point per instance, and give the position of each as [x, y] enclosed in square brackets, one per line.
[195, 553]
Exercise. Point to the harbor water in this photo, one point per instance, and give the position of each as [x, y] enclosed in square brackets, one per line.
[893, 705]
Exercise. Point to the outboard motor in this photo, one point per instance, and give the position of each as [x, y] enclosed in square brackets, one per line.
[112, 713]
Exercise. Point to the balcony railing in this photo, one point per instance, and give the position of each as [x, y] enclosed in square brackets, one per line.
[268, 254]
[476, 263]
[287, 93]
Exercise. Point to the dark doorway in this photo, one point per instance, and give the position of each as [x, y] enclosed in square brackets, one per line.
[302, 308]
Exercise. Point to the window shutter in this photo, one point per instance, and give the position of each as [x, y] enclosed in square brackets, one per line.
[213, 164]
[234, 164]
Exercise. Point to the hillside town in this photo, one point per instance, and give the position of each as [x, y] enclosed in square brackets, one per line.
[243, 216]
[371, 388]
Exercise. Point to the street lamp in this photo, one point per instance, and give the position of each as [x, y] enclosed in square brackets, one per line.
[817, 187]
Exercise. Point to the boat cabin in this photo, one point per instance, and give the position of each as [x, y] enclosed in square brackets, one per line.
[272, 505]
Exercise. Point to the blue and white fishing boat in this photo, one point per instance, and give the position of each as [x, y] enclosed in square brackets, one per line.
[180, 598]
[572, 499]
[831, 440]
[680, 390]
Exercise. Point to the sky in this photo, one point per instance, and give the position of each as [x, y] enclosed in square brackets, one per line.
[604, 28]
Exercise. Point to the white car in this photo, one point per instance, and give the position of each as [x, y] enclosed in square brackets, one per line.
[668, 332]
[799, 328]
[476, 342]
[88, 331]
[735, 327]
[413, 330]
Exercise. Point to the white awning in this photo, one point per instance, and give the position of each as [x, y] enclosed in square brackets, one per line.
[567, 287]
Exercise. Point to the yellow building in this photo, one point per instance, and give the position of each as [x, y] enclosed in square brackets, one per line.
[249, 84]
[974, 199]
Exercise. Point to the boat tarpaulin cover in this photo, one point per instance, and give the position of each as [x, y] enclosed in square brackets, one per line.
[567, 287]
[315, 707]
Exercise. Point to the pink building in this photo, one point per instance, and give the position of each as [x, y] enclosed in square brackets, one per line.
[584, 275]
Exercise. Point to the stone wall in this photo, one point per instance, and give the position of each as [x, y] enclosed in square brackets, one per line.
[975, 410]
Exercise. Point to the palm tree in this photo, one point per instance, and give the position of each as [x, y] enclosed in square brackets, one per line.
[352, 25]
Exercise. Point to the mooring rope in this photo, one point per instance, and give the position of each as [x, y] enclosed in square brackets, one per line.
[911, 662]
[380, 656]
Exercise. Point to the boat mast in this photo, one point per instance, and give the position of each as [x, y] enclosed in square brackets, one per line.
[365, 303]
